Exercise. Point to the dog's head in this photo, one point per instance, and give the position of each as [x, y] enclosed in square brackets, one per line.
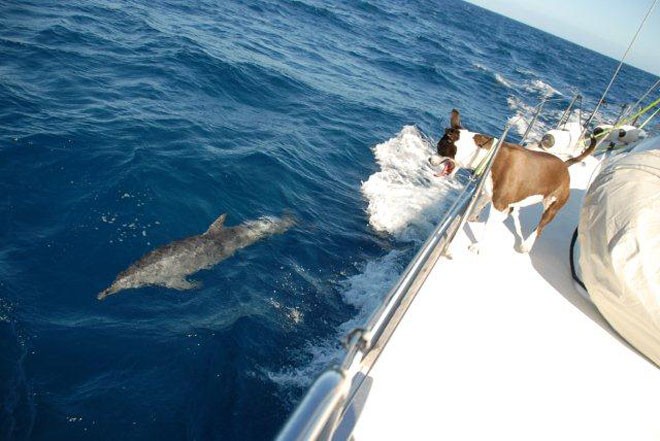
[458, 147]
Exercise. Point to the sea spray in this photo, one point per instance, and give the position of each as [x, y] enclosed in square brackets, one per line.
[403, 197]
[405, 201]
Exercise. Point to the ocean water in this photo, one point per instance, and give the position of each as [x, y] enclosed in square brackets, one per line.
[125, 125]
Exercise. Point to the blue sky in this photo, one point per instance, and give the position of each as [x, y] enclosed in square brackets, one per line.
[606, 26]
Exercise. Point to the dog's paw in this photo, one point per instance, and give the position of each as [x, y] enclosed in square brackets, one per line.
[474, 218]
[523, 248]
[475, 248]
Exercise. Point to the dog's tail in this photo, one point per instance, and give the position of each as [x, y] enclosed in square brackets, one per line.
[589, 150]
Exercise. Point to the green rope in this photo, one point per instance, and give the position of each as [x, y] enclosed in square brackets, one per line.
[648, 120]
[631, 118]
[482, 165]
[643, 111]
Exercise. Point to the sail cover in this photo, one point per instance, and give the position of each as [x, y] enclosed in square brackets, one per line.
[619, 237]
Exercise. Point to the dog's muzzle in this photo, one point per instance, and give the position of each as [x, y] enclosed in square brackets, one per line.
[442, 166]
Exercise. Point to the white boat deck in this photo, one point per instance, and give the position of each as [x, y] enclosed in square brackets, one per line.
[502, 345]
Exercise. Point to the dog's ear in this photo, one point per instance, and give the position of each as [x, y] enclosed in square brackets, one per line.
[452, 135]
[483, 141]
[455, 119]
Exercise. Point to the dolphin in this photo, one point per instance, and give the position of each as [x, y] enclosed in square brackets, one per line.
[169, 264]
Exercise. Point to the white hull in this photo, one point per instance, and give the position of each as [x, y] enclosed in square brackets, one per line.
[502, 345]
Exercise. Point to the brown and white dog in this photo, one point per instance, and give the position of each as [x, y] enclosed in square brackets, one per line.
[519, 177]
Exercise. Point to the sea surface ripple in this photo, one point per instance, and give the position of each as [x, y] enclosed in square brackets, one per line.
[125, 125]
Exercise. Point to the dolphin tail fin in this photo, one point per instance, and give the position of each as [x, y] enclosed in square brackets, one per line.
[217, 225]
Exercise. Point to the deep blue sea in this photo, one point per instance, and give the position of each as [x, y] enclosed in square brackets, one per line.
[125, 125]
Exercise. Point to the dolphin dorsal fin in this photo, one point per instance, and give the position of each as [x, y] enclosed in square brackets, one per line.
[217, 225]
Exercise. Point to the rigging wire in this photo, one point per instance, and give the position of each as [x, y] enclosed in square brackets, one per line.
[626, 115]
[616, 72]
[639, 101]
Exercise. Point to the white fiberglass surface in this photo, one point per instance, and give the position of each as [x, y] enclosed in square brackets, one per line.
[501, 345]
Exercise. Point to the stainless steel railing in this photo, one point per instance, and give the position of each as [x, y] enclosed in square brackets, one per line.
[319, 413]
[537, 112]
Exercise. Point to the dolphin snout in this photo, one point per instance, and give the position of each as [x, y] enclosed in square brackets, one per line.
[102, 295]
[106, 292]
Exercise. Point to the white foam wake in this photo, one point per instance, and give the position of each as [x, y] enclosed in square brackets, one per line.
[404, 196]
[503, 81]
[533, 85]
[542, 87]
[364, 291]
[498, 76]
[522, 115]
[404, 200]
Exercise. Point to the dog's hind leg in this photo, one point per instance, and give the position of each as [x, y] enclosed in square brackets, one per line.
[528, 243]
[551, 205]
[515, 215]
